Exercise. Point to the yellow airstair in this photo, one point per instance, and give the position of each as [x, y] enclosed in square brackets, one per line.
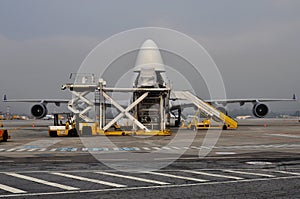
[209, 110]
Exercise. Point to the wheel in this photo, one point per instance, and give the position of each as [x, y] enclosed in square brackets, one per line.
[86, 131]
[73, 133]
[5, 136]
[53, 134]
[224, 127]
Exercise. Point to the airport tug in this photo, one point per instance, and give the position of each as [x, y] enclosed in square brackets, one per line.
[63, 125]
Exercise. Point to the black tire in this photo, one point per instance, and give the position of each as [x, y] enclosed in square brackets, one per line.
[53, 134]
[73, 133]
[86, 131]
[5, 136]
[224, 127]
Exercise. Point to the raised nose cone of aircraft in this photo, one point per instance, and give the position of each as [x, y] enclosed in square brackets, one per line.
[149, 55]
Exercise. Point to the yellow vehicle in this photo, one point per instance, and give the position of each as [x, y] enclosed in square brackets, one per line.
[63, 126]
[195, 124]
[3, 134]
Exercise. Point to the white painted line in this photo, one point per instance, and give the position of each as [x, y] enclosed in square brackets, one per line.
[2, 149]
[43, 149]
[3, 161]
[113, 159]
[166, 148]
[156, 148]
[175, 176]
[194, 147]
[136, 148]
[89, 180]
[174, 147]
[146, 148]
[63, 160]
[11, 189]
[249, 173]
[287, 172]
[9, 150]
[285, 135]
[213, 175]
[24, 149]
[155, 187]
[133, 178]
[225, 153]
[33, 149]
[52, 184]
[54, 149]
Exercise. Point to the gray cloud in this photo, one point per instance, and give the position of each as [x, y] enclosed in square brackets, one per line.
[254, 43]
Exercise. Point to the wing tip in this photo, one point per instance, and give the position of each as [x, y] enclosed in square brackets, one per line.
[4, 98]
[294, 97]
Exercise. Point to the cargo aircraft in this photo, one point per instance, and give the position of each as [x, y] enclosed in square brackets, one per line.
[150, 73]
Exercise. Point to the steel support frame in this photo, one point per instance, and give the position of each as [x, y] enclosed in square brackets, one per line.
[125, 112]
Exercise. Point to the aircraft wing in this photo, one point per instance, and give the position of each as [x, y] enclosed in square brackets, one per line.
[177, 96]
[56, 101]
[250, 100]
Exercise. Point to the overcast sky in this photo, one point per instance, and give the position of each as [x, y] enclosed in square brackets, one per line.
[255, 43]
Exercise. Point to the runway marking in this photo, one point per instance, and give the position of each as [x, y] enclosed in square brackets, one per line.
[89, 180]
[34, 149]
[249, 173]
[43, 149]
[147, 187]
[10, 150]
[23, 149]
[54, 149]
[287, 172]
[11, 189]
[212, 174]
[284, 135]
[133, 178]
[6, 161]
[225, 153]
[90, 150]
[53, 184]
[50, 160]
[175, 176]
[156, 148]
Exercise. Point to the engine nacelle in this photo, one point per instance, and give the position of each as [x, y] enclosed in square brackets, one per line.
[260, 110]
[222, 109]
[39, 110]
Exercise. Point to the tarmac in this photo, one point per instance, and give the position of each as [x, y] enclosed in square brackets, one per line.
[259, 159]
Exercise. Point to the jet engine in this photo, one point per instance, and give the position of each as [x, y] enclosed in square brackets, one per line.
[222, 109]
[39, 110]
[260, 110]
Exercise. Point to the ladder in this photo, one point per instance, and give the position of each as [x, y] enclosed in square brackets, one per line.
[208, 109]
